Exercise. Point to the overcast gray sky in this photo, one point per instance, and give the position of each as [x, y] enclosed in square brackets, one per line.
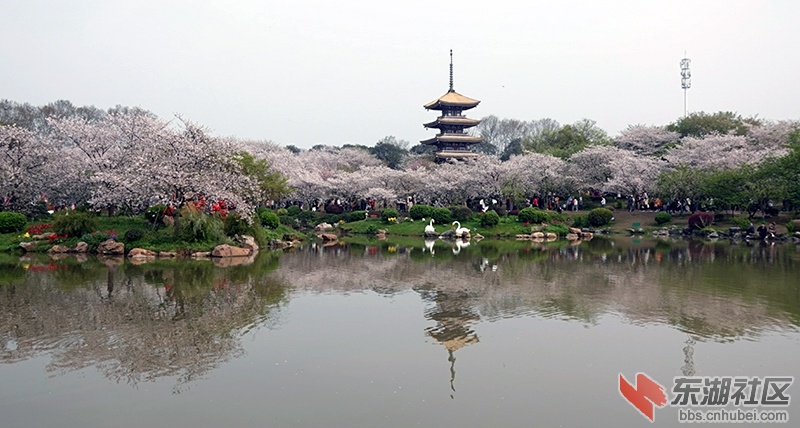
[305, 72]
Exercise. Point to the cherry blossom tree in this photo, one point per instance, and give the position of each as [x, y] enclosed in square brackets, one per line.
[611, 169]
[23, 159]
[535, 173]
[721, 152]
[646, 140]
[768, 134]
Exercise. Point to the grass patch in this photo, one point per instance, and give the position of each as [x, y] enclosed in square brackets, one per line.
[161, 238]
[508, 227]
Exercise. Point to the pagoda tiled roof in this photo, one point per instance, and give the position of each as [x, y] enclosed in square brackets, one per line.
[452, 120]
[453, 138]
[452, 99]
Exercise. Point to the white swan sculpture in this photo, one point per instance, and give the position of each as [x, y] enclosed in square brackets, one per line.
[458, 245]
[429, 245]
[429, 230]
[460, 231]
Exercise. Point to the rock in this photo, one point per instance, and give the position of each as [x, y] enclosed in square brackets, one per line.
[46, 235]
[167, 254]
[225, 250]
[141, 253]
[478, 237]
[537, 235]
[323, 227]
[247, 241]
[233, 261]
[587, 235]
[550, 236]
[734, 230]
[523, 237]
[111, 247]
[277, 244]
[201, 255]
[58, 249]
[713, 235]
[140, 260]
[328, 237]
[111, 261]
[81, 248]
[449, 233]
[575, 230]
[29, 247]
[292, 237]
[572, 236]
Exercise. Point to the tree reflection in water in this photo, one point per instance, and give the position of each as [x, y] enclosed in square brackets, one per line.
[135, 323]
[182, 319]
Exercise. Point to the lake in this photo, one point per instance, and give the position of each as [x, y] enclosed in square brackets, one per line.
[393, 333]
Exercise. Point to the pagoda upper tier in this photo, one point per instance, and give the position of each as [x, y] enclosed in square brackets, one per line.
[442, 122]
[452, 100]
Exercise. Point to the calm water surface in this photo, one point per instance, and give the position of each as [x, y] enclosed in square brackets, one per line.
[390, 333]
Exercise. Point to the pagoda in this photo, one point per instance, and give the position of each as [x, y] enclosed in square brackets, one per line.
[452, 141]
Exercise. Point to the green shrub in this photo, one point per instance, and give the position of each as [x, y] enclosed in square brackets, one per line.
[155, 213]
[741, 222]
[269, 218]
[441, 215]
[460, 212]
[420, 211]
[580, 221]
[282, 211]
[356, 216]
[371, 229]
[133, 235]
[558, 229]
[94, 239]
[490, 219]
[234, 224]
[600, 217]
[12, 222]
[331, 218]
[307, 218]
[293, 211]
[258, 234]
[74, 223]
[194, 226]
[532, 215]
[663, 217]
[700, 220]
[388, 213]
